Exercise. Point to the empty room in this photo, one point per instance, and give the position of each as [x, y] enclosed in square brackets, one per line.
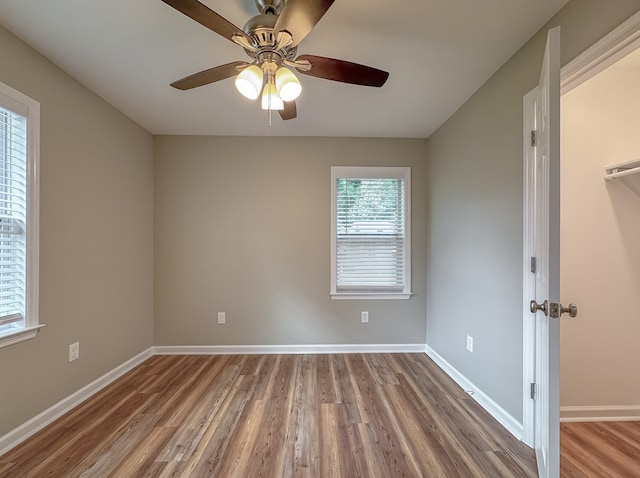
[280, 238]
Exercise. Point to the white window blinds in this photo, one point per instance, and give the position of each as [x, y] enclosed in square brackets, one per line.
[13, 198]
[371, 244]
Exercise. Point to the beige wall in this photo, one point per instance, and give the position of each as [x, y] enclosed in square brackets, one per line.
[242, 225]
[474, 276]
[95, 239]
[600, 255]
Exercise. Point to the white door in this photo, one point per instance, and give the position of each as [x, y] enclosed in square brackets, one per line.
[546, 247]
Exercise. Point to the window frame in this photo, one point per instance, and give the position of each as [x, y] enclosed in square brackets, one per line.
[21, 104]
[372, 172]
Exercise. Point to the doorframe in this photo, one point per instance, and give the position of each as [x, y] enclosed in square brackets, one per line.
[618, 43]
[528, 324]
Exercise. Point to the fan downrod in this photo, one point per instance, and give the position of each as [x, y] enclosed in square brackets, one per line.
[270, 7]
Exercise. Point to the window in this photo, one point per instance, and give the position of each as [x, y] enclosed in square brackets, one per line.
[370, 232]
[19, 138]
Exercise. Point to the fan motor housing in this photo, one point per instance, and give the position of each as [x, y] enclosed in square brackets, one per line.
[260, 29]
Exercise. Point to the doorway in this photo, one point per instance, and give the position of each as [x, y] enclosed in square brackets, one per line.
[612, 48]
[600, 270]
[600, 258]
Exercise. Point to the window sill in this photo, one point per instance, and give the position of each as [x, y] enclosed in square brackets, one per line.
[370, 295]
[19, 335]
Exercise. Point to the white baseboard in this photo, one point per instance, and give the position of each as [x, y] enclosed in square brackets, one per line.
[613, 413]
[286, 349]
[496, 411]
[37, 423]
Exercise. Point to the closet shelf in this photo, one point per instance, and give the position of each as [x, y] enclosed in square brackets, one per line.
[628, 172]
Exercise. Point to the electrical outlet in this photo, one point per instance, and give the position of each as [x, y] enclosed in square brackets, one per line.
[364, 316]
[74, 351]
[222, 318]
[470, 343]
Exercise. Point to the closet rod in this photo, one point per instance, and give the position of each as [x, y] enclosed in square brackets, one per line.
[621, 174]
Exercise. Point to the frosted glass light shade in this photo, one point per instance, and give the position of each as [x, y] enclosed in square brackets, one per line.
[249, 82]
[289, 87]
[270, 98]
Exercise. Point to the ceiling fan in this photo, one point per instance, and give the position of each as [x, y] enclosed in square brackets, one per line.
[271, 40]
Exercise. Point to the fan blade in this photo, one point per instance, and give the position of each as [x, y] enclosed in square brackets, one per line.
[298, 17]
[344, 71]
[207, 17]
[211, 75]
[289, 111]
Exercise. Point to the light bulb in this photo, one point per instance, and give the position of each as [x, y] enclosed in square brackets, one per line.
[270, 98]
[249, 82]
[289, 87]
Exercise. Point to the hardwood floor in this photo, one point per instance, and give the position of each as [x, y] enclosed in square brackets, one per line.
[355, 415]
[600, 449]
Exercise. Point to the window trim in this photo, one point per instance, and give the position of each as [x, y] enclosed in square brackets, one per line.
[20, 103]
[372, 172]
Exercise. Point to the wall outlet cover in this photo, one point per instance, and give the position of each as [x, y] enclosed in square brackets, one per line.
[74, 351]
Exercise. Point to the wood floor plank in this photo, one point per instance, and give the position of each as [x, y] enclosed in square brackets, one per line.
[269, 445]
[345, 393]
[141, 458]
[375, 409]
[70, 425]
[302, 435]
[222, 433]
[327, 387]
[377, 464]
[625, 433]
[423, 437]
[328, 446]
[83, 438]
[263, 376]
[351, 459]
[381, 369]
[102, 460]
[214, 389]
[445, 430]
[602, 449]
[505, 465]
[238, 457]
[290, 416]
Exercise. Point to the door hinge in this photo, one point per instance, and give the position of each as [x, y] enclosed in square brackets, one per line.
[534, 138]
[533, 390]
[534, 265]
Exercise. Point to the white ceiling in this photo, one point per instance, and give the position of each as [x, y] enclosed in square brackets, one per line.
[438, 53]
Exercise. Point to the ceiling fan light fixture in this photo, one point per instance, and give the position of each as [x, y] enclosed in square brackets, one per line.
[287, 84]
[271, 40]
[249, 82]
[270, 98]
